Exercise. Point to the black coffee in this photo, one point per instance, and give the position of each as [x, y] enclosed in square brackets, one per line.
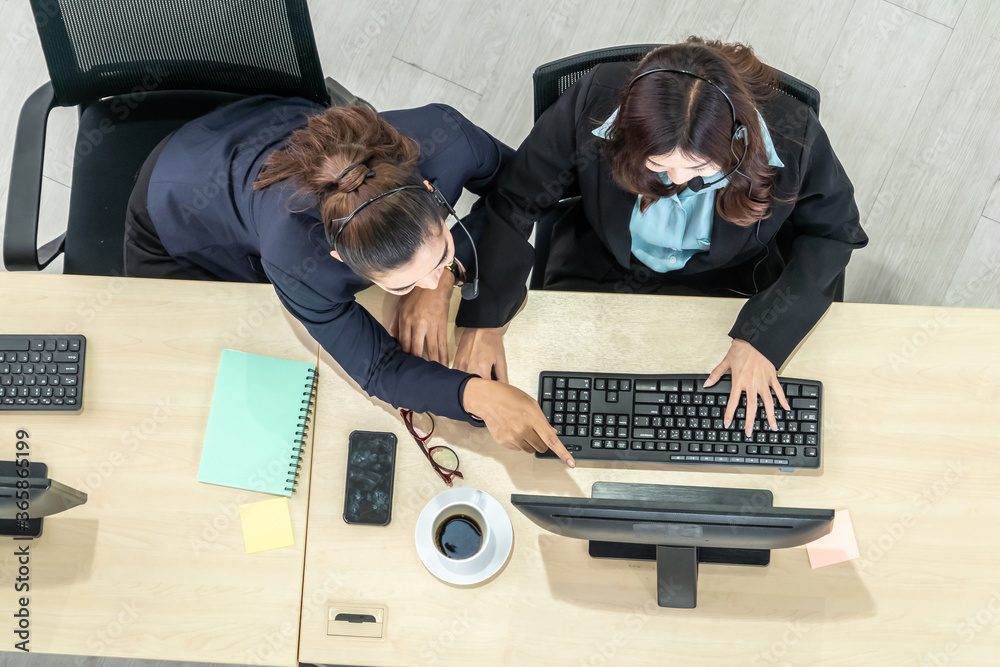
[459, 537]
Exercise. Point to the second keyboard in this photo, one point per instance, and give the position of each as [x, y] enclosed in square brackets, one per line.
[674, 419]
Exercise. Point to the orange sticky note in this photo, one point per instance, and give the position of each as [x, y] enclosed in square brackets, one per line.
[838, 546]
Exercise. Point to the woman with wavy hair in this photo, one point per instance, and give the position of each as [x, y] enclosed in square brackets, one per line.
[323, 203]
[695, 175]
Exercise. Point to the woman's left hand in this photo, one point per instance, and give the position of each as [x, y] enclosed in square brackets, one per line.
[421, 322]
[751, 373]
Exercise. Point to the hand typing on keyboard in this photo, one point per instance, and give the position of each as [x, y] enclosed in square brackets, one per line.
[751, 373]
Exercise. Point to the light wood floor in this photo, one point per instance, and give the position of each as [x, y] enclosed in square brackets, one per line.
[910, 92]
[910, 88]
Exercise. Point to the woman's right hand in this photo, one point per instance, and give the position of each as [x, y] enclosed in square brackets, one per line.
[513, 418]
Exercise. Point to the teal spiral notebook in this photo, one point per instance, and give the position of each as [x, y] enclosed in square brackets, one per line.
[257, 425]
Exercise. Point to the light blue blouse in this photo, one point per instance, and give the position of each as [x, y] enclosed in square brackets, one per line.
[673, 229]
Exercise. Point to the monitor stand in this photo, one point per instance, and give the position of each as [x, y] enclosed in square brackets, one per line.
[677, 567]
[18, 527]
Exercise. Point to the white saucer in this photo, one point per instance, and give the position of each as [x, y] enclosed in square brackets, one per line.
[486, 563]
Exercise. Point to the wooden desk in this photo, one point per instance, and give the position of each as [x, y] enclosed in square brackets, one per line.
[153, 565]
[911, 448]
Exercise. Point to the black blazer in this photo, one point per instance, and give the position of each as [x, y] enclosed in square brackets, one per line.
[562, 158]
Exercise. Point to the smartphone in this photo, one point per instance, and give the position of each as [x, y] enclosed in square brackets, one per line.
[371, 465]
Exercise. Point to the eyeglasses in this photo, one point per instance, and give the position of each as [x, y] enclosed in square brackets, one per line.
[443, 459]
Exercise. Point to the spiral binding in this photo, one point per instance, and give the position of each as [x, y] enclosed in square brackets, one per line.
[305, 413]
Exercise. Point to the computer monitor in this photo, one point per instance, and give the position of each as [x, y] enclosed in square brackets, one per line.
[678, 527]
[45, 497]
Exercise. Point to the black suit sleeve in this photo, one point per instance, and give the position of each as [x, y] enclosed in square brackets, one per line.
[541, 172]
[827, 229]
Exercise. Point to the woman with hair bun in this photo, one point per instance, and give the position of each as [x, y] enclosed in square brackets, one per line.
[695, 175]
[322, 203]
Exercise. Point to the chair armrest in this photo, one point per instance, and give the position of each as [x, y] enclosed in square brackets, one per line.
[342, 97]
[20, 235]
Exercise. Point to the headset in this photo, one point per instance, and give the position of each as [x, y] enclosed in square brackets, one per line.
[469, 290]
[697, 183]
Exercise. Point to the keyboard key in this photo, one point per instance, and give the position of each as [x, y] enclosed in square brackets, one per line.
[74, 345]
[62, 345]
[624, 385]
[811, 392]
[645, 433]
[720, 387]
[644, 397]
[811, 451]
[600, 384]
[687, 385]
[612, 385]
[547, 387]
[669, 385]
[611, 397]
[579, 383]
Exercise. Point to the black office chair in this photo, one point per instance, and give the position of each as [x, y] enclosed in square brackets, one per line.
[137, 71]
[553, 79]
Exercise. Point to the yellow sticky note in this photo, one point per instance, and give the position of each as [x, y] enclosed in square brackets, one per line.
[266, 525]
[839, 545]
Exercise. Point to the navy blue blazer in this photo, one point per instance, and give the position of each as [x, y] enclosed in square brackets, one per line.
[206, 213]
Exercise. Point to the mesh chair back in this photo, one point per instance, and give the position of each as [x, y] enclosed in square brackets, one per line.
[553, 79]
[112, 47]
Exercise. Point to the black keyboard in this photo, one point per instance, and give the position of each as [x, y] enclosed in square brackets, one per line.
[674, 419]
[41, 372]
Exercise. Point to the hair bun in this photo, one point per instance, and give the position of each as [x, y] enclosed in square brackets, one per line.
[351, 178]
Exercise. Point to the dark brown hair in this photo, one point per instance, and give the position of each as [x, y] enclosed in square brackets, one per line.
[383, 235]
[665, 111]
